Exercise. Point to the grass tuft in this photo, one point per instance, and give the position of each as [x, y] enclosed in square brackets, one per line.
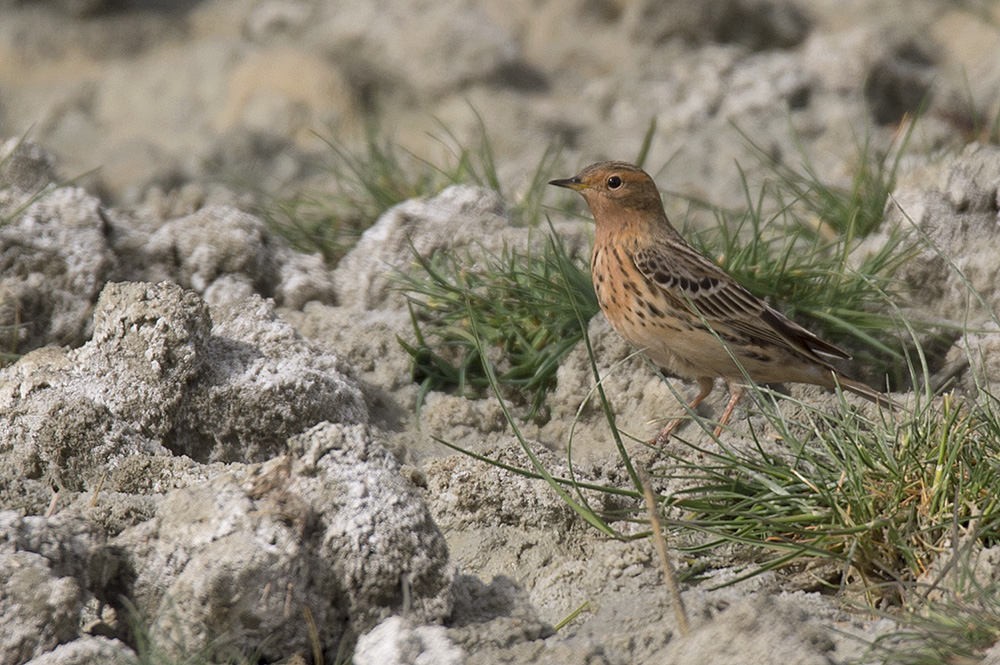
[881, 499]
[515, 301]
[853, 211]
[365, 182]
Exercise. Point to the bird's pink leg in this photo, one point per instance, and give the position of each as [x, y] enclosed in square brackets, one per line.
[735, 393]
[705, 385]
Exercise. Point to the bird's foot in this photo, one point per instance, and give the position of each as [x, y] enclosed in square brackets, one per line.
[663, 436]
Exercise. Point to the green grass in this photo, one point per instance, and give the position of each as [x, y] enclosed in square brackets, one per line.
[514, 301]
[878, 498]
[852, 211]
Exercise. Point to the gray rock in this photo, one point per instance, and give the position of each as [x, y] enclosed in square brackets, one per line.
[158, 377]
[25, 168]
[54, 249]
[396, 641]
[371, 340]
[899, 82]
[48, 569]
[38, 610]
[755, 24]
[273, 18]
[457, 218]
[70, 546]
[992, 657]
[215, 242]
[973, 362]
[459, 45]
[333, 528]
[303, 278]
[226, 255]
[60, 247]
[264, 383]
[88, 650]
[954, 205]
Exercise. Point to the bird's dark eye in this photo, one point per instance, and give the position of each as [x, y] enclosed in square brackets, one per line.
[614, 182]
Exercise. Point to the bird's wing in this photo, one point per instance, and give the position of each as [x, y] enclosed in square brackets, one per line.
[690, 280]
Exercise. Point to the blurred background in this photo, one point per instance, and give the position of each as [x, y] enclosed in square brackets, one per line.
[140, 96]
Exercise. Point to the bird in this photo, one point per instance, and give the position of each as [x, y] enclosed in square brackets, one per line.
[682, 310]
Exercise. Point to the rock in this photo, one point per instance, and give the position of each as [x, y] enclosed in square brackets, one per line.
[39, 611]
[332, 528]
[48, 569]
[88, 650]
[955, 206]
[159, 378]
[992, 657]
[226, 255]
[454, 220]
[383, 368]
[54, 249]
[454, 44]
[897, 84]
[974, 361]
[396, 641]
[25, 168]
[212, 243]
[755, 24]
[60, 247]
[303, 278]
[961, 37]
[277, 17]
[223, 254]
[269, 384]
[285, 91]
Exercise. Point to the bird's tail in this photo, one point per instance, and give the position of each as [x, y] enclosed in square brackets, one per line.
[866, 391]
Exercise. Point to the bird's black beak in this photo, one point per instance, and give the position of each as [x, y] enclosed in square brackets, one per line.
[573, 183]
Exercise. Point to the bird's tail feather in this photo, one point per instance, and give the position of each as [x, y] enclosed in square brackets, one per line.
[866, 391]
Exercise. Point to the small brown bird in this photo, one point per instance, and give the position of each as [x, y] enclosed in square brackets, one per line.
[684, 311]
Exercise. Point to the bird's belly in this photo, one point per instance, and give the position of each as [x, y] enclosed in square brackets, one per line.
[680, 348]
[688, 350]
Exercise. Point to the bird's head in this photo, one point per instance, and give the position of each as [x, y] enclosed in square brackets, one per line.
[618, 194]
